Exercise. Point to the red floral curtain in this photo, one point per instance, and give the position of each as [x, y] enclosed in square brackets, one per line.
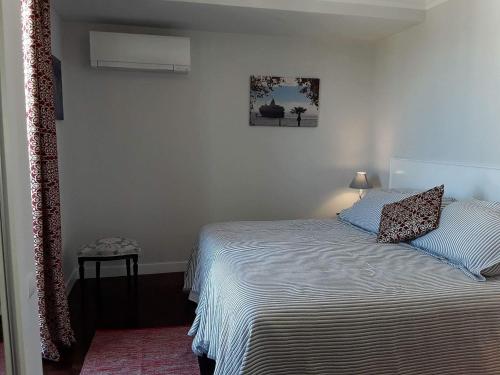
[55, 327]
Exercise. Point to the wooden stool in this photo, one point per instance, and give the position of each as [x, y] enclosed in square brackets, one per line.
[107, 249]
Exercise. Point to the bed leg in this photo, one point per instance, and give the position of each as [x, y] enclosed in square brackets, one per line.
[207, 365]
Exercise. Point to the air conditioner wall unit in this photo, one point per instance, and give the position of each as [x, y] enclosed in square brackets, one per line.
[140, 52]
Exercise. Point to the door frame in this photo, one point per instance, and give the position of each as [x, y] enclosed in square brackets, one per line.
[7, 298]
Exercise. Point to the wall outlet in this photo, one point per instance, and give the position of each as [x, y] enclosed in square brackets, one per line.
[31, 285]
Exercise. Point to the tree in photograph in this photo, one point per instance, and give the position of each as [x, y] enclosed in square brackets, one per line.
[298, 111]
[260, 87]
[310, 88]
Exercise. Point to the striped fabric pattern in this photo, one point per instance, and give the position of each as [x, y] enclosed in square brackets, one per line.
[468, 237]
[488, 204]
[322, 297]
[189, 276]
[366, 212]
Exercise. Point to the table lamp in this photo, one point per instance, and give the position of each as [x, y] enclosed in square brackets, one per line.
[360, 182]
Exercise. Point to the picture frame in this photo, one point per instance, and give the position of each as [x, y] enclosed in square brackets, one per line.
[284, 101]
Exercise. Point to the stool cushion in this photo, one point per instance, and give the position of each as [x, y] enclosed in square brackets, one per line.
[108, 247]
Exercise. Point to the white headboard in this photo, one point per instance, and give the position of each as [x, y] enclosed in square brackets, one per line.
[461, 180]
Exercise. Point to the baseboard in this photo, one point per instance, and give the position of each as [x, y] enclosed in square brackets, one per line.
[114, 270]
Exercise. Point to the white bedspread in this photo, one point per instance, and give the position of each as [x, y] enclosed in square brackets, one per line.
[322, 297]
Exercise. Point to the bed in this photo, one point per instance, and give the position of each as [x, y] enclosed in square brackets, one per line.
[322, 297]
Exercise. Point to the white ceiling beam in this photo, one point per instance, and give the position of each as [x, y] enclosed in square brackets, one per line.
[433, 3]
[406, 4]
[404, 10]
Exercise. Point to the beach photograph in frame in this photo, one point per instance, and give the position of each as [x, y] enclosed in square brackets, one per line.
[284, 101]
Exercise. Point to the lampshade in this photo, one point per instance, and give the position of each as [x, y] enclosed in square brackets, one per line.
[360, 181]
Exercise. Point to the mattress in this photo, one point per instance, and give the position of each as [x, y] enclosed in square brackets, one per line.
[322, 297]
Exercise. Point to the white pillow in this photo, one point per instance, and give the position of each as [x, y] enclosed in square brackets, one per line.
[468, 236]
[366, 212]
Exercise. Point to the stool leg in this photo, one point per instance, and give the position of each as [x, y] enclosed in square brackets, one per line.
[135, 293]
[98, 295]
[136, 278]
[128, 272]
[98, 275]
[82, 276]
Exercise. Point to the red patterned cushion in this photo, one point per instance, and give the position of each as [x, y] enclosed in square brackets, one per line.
[411, 217]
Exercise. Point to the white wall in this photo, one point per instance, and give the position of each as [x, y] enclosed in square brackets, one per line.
[56, 33]
[437, 89]
[16, 170]
[155, 156]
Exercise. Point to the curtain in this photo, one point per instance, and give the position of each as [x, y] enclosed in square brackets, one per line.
[53, 312]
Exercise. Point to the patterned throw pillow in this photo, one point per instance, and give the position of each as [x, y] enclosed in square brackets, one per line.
[411, 217]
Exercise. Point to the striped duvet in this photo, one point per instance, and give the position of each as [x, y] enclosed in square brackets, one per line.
[322, 297]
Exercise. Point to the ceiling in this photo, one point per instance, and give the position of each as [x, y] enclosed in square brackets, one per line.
[359, 19]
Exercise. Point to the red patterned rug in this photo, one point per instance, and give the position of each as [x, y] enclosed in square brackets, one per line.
[2, 360]
[151, 351]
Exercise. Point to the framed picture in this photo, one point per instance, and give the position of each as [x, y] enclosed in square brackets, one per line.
[284, 101]
[58, 95]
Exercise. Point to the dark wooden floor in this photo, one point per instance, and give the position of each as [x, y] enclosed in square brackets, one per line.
[160, 302]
